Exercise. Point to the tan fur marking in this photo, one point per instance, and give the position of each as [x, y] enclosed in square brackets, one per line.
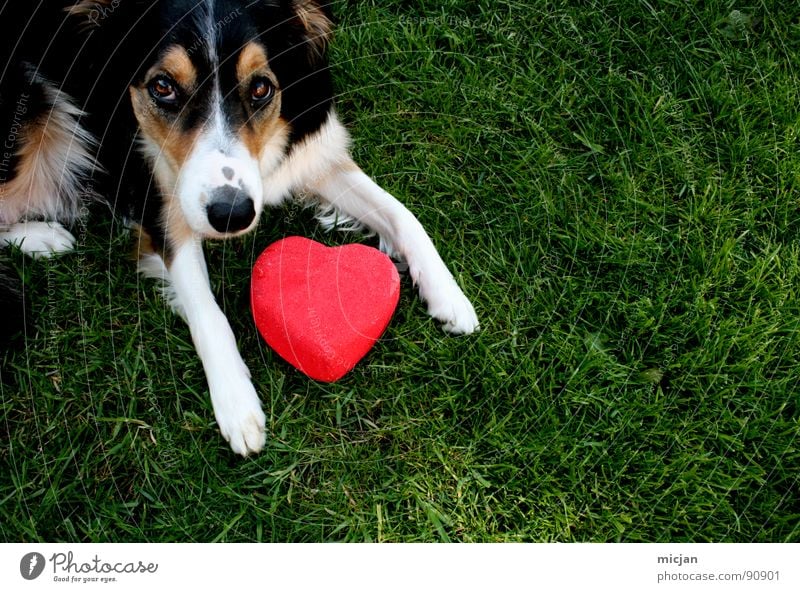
[85, 7]
[170, 147]
[92, 12]
[143, 243]
[173, 143]
[15, 195]
[52, 150]
[176, 229]
[318, 26]
[264, 131]
[177, 63]
[252, 59]
[178, 232]
[267, 123]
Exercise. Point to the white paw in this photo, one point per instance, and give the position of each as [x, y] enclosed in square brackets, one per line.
[39, 239]
[239, 415]
[447, 303]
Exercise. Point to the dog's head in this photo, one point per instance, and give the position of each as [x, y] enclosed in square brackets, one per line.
[221, 90]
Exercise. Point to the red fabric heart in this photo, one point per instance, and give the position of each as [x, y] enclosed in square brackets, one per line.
[323, 308]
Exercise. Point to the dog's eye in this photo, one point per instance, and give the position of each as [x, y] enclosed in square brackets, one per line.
[163, 90]
[261, 91]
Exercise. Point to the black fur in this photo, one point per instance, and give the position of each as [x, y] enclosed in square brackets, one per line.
[12, 305]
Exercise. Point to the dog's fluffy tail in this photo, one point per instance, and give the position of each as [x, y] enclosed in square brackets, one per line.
[12, 305]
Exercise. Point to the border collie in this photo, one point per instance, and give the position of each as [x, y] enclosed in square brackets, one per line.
[199, 113]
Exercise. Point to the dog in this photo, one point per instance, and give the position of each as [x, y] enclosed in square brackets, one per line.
[189, 117]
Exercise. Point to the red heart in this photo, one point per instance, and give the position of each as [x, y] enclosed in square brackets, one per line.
[321, 308]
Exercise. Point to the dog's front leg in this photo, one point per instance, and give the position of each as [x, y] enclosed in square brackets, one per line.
[236, 404]
[352, 192]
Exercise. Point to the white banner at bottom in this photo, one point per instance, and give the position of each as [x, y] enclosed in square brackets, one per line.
[439, 567]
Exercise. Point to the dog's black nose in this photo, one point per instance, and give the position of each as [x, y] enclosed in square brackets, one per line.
[230, 209]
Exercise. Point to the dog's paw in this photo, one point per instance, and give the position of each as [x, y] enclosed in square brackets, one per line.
[39, 239]
[448, 304]
[239, 416]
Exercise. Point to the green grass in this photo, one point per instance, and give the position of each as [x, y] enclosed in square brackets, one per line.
[615, 187]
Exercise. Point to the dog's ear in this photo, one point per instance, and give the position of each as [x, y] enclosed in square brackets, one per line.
[92, 13]
[316, 19]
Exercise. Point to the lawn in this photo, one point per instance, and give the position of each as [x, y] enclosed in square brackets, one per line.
[615, 186]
